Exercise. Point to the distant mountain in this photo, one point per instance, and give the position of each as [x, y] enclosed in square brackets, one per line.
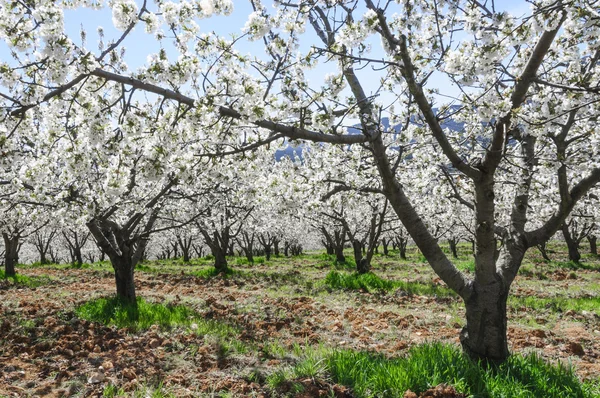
[449, 123]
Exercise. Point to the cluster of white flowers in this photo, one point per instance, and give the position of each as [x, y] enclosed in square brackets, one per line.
[124, 13]
[257, 26]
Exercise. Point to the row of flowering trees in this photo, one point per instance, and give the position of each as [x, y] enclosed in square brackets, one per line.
[113, 148]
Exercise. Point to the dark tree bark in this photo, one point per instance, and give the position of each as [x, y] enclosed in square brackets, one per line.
[385, 243]
[125, 244]
[75, 242]
[452, 242]
[199, 250]
[185, 244]
[593, 244]
[11, 252]
[363, 251]
[247, 245]
[123, 250]
[327, 241]
[267, 241]
[42, 243]
[276, 247]
[218, 243]
[572, 243]
[339, 240]
[542, 248]
[175, 249]
[402, 242]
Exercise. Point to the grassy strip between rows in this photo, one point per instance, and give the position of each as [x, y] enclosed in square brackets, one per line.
[113, 312]
[427, 365]
[371, 282]
[557, 304]
[25, 280]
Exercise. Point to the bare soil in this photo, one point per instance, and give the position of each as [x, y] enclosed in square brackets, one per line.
[47, 351]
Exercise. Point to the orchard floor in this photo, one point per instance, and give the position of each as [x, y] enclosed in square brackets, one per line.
[277, 310]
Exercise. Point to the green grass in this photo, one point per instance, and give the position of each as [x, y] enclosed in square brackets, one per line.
[557, 304]
[425, 366]
[467, 265]
[576, 266]
[112, 391]
[371, 282]
[112, 311]
[24, 280]
[211, 272]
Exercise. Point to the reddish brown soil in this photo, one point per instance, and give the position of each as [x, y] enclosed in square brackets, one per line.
[47, 351]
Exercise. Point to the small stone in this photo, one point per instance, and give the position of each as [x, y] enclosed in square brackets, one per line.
[129, 374]
[538, 333]
[154, 343]
[575, 349]
[96, 378]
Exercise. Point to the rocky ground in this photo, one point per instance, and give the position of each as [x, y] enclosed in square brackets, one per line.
[275, 310]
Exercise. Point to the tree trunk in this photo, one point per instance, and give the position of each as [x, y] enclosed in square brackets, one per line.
[385, 243]
[249, 256]
[276, 247]
[124, 279]
[339, 254]
[572, 244]
[453, 248]
[77, 257]
[402, 243]
[542, 248]
[403, 252]
[43, 259]
[593, 245]
[363, 265]
[328, 248]
[221, 265]
[484, 336]
[11, 254]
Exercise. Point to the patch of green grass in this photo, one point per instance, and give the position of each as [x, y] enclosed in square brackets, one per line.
[465, 265]
[371, 282]
[112, 391]
[24, 280]
[145, 268]
[576, 266]
[212, 272]
[425, 366]
[37, 264]
[242, 261]
[112, 311]
[557, 304]
[355, 281]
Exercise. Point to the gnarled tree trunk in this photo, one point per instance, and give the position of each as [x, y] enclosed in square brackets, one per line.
[123, 249]
[593, 245]
[452, 242]
[572, 244]
[11, 253]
